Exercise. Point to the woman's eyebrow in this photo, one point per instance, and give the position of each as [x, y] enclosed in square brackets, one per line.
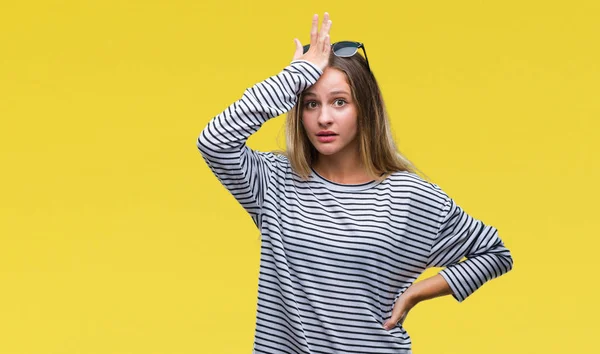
[335, 92]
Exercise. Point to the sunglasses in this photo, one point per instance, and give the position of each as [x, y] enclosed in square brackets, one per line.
[345, 49]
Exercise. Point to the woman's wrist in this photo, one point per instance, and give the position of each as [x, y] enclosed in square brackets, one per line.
[411, 296]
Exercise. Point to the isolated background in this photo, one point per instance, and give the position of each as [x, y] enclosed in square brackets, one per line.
[116, 238]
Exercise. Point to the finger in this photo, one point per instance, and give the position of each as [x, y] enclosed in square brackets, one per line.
[314, 30]
[324, 30]
[398, 316]
[328, 37]
[393, 321]
[298, 53]
[326, 45]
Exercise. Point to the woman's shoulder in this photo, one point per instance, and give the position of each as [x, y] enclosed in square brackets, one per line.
[407, 177]
[278, 156]
[277, 159]
[412, 182]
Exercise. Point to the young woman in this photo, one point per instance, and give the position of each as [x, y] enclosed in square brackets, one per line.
[346, 223]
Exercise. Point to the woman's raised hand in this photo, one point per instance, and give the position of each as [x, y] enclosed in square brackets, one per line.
[320, 45]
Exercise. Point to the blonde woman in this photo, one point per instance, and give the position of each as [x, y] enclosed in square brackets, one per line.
[347, 224]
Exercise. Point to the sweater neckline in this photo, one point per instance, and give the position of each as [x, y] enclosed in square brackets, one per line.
[342, 187]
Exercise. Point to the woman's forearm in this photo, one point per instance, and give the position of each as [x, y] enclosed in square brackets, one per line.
[427, 289]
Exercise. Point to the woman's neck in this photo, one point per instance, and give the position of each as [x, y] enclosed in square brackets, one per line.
[343, 171]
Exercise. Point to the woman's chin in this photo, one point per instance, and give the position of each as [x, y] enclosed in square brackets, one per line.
[326, 151]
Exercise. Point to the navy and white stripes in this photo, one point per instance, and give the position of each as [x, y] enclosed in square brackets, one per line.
[335, 257]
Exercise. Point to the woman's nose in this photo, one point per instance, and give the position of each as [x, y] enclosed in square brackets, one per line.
[325, 117]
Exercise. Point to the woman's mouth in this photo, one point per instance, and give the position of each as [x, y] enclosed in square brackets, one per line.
[326, 138]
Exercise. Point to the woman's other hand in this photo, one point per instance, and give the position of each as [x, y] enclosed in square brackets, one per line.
[320, 44]
[401, 308]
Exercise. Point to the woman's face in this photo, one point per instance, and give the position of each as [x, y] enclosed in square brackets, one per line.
[329, 115]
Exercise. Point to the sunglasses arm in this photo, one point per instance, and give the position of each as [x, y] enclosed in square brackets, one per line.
[366, 58]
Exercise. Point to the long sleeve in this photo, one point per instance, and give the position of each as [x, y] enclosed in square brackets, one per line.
[222, 143]
[460, 235]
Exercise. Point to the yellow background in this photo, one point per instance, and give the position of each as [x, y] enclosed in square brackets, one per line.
[116, 238]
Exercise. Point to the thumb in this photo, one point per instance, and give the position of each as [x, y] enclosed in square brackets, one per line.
[397, 316]
[299, 50]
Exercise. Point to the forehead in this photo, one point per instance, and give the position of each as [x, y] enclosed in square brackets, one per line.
[332, 80]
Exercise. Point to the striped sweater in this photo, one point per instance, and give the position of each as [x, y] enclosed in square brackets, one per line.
[335, 257]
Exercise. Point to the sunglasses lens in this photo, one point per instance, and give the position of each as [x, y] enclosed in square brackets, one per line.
[345, 49]
[306, 48]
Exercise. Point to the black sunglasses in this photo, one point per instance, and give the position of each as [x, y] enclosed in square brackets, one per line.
[345, 49]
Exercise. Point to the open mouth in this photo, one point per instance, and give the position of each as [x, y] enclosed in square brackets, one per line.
[326, 133]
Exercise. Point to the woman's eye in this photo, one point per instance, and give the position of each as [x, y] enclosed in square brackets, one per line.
[339, 102]
[310, 104]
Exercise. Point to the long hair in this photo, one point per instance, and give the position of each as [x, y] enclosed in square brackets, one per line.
[378, 151]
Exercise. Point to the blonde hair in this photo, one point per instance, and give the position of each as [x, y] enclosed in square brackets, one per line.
[378, 150]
